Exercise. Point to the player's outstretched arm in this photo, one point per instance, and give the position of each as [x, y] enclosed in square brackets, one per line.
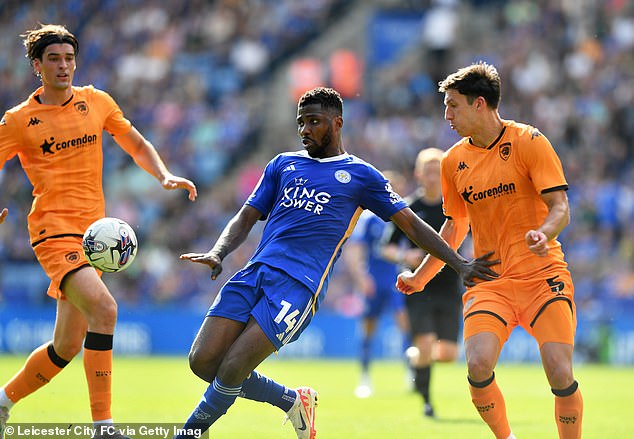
[440, 251]
[234, 234]
[148, 159]
[3, 214]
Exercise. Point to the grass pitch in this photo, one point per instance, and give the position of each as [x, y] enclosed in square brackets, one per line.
[163, 390]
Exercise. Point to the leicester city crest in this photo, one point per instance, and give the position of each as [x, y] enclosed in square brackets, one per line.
[343, 176]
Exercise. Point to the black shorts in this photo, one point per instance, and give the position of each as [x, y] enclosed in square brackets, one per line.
[430, 314]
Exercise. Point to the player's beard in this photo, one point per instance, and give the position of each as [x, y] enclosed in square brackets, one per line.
[319, 151]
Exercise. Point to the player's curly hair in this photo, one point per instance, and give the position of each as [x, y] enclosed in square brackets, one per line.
[328, 98]
[36, 40]
[478, 79]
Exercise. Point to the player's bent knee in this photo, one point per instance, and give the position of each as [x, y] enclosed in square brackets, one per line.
[201, 367]
[479, 367]
[233, 371]
[68, 349]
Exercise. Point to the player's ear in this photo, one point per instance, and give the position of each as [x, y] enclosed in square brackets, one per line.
[339, 121]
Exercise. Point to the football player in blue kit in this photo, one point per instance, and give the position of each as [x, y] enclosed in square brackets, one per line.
[311, 201]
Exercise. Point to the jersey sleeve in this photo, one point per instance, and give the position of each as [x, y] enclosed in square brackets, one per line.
[263, 195]
[453, 203]
[379, 197]
[115, 123]
[543, 164]
[9, 143]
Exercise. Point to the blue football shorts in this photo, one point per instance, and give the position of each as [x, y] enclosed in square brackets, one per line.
[280, 304]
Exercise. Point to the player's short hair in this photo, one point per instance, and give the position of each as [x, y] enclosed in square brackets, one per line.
[328, 98]
[428, 155]
[478, 79]
[37, 40]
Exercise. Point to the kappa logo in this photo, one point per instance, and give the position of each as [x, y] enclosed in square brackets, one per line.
[535, 133]
[462, 166]
[34, 121]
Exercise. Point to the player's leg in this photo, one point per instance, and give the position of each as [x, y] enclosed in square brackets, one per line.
[236, 376]
[442, 346]
[86, 292]
[282, 315]
[275, 317]
[483, 343]
[402, 321]
[421, 320]
[447, 319]
[554, 331]
[58, 258]
[249, 347]
[421, 365]
[49, 359]
[364, 389]
[213, 340]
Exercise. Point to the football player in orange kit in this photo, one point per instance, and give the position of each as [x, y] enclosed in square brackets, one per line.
[57, 135]
[505, 180]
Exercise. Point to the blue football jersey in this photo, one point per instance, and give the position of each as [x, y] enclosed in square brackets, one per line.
[312, 206]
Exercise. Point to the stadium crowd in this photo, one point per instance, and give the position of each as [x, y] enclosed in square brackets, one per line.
[193, 75]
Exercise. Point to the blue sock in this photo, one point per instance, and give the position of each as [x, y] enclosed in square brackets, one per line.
[215, 402]
[257, 387]
[366, 350]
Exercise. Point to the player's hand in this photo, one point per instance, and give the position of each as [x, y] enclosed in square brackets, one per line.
[209, 259]
[3, 214]
[408, 283]
[537, 242]
[478, 268]
[171, 182]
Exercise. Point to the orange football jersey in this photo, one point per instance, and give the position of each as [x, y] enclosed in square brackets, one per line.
[499, 189]
[60, 149]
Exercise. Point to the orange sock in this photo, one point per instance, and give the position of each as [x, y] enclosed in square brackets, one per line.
[98, 369]
[41, 366]
[569, 411]
[488, 400]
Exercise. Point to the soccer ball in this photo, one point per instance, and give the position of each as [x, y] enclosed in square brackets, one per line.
[110, 245]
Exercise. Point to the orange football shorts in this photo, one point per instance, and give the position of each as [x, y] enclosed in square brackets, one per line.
[543, 305]
[59, 257]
